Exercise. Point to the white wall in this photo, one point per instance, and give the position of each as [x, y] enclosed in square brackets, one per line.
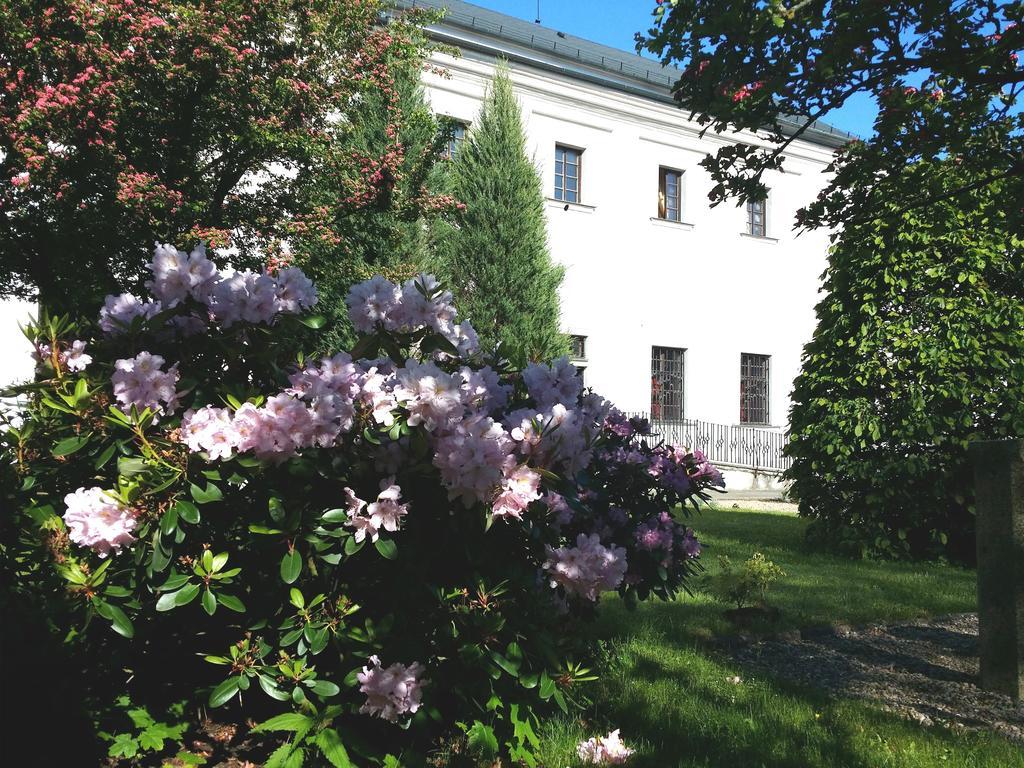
[16, 364]
[632, 282]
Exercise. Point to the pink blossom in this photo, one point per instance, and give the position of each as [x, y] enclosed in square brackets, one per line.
[97, 519]
[604, 750]
[20, 180]
[588, 569]
[552, 384]
[432, 397]
[140, 382]
[118, 312]
[472, 458]
[520, 487]
[392, 691]
[209, 429]
[75, 358]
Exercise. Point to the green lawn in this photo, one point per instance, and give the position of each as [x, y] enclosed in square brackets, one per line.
[670, 695]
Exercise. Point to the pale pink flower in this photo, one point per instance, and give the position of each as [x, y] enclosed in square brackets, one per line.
[588, 569]
[604, 750]
[520, 487]
[392, 691]
[141, 382]
[96, 518]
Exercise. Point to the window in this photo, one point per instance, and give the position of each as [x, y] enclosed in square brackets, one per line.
[757, 218]
[578, 354]
[670, 194]
[578, 347]
[456, 135]
[567, 173]
[754, 389]
[667, 383]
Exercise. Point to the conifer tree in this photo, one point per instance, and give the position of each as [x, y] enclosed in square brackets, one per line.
[496, 260]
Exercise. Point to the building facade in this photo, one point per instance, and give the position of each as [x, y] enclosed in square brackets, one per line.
[676, 309]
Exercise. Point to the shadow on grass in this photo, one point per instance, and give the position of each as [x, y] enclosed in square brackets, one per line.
[672, 697]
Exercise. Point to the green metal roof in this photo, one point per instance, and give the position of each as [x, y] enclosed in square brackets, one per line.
[580, 58]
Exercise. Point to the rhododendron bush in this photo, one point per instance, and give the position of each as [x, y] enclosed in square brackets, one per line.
[384, 551]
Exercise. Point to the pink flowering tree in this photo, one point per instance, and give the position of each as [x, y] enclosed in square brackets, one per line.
[128, 121]
[387, 551]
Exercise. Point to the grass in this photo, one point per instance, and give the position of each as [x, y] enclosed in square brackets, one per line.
[670, 694]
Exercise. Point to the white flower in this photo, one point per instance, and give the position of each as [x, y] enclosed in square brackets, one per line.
[392, 691]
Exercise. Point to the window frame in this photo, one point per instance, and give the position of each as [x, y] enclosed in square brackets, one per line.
[454, 140]
[664, 172]
[561, 190]
[752, 219]
[660, 371]
[752, 403]
[572, 346]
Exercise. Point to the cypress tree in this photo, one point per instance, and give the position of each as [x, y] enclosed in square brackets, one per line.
[496, 260]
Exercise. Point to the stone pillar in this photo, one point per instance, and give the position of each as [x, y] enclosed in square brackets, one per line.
[999, 487]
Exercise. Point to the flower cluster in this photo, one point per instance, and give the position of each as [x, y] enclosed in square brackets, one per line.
[383, 514]
[604, 750]
[391, 691]
[420, 303]
[588, 569]
[662, 535]
[140, 382]
[227, 298]
[97, 519]
[73, 357]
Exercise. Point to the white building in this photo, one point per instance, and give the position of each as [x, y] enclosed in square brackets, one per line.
[678, 309]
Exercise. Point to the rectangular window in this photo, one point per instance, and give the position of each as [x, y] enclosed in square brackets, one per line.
[754, 389]
[667, 383]
[757, 218]
[567, 173]
[456, 135]
[578, 347]
[670, 194]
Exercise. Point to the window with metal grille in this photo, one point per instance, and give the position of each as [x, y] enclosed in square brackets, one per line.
[578, 347]
[757, 217]
[456, 135]
[567, 173]
[754, 389]
[670, 194]
[667, 383]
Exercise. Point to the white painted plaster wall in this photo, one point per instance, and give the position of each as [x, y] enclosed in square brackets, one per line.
[633, 282]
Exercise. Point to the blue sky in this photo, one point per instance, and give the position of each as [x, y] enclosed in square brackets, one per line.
[614, 22]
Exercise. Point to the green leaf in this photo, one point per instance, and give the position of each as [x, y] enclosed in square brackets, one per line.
[129, 466]
[352, 546]
[482, 740]
[187, 511]
[270, 688]
[316, 322]
[334, 516]
[169, 521]
[332, 748]
[231, 602]
[295, 596]
[124, 745]
[186, 594]
[205, 496]
[509, 666]
[69, 445]
[547, 686]
[209, 602]
[106, 455]
[291, 566]
[325, 688]
[167, 601]
[223, 692]
[387, 548]
[276, 509]
[289, 721]
[120, 621]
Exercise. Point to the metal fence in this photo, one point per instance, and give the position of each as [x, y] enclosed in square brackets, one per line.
[746, 447]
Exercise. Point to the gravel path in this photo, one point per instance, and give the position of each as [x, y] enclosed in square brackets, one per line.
[924, 670]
